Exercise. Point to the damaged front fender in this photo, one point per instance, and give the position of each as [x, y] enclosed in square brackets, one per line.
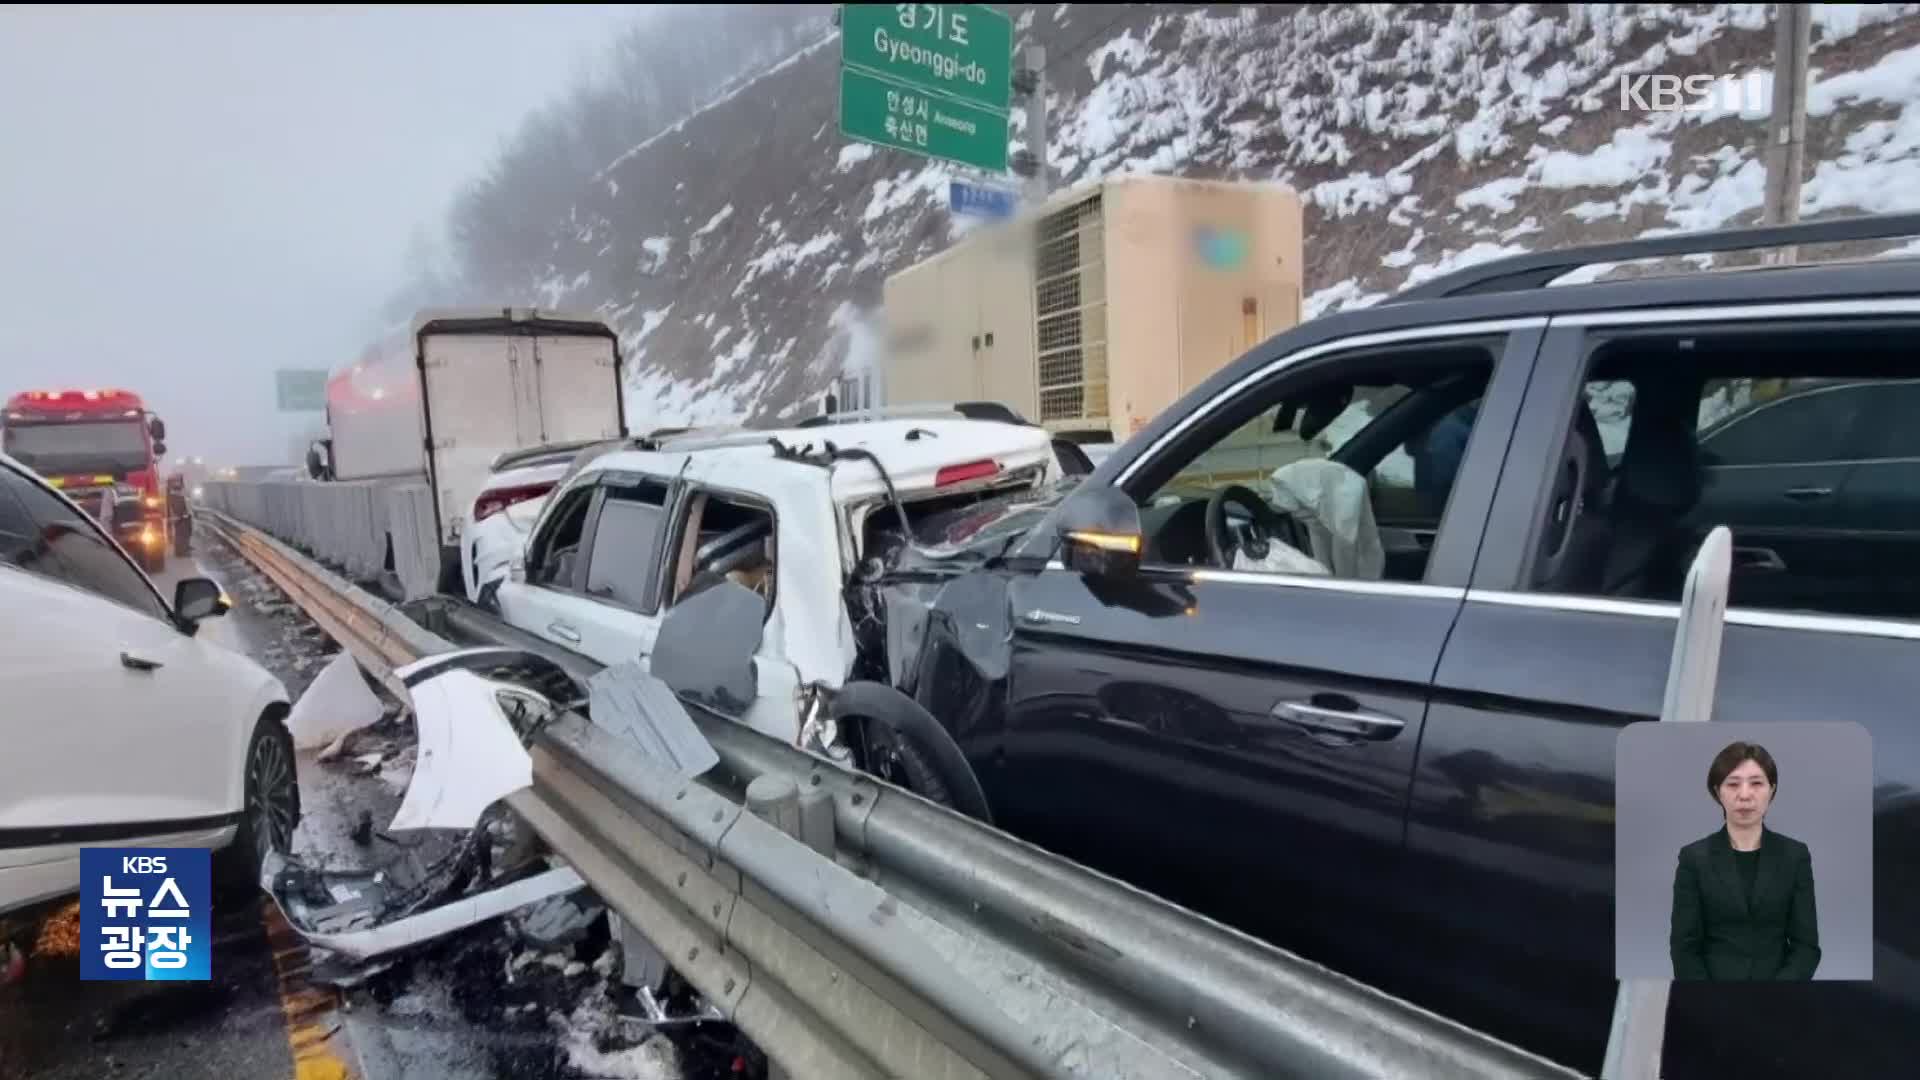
[474, 710]
[470, 755]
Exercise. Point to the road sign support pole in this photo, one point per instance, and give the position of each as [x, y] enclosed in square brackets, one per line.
[1037, 184]
[1787, 126]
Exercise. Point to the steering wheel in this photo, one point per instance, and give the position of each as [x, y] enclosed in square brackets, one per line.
[1267, 525]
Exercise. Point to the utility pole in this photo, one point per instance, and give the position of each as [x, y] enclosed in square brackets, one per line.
[1787, 125]
[1032, 80]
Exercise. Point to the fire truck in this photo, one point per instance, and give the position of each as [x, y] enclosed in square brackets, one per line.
[103, 449]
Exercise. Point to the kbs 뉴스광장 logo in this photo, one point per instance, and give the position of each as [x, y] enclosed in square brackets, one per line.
[145, 914]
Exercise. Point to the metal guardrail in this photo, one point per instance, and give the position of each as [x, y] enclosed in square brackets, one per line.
[904, 939]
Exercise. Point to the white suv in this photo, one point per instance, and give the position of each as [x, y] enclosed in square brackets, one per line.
[120, 724]
[633, 531]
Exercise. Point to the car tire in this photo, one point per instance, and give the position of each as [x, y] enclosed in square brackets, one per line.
[901, 742]
[269, 808]
[154, 559]
[893, 757]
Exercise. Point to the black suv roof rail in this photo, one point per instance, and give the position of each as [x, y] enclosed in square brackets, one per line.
[1539, 268]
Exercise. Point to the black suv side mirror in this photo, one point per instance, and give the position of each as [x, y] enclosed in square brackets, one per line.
[198, 598]
[1100, 533]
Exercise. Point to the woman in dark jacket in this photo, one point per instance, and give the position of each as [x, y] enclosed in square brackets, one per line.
[1743, 906]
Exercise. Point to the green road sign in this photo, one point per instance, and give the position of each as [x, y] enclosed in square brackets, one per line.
[300, 391]
[961, 50]
[902, 117]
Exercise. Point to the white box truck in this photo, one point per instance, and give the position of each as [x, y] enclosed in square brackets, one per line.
[437, 407]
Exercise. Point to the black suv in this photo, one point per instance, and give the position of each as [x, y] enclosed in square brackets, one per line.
[1404, 766]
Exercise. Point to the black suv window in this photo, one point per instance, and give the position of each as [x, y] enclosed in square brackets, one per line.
[1894, 433]
[80, 555]
[1398, 424]
[1813, 424]
[1799, 442]
[623, 561]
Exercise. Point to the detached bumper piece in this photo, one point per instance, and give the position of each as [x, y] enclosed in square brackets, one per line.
[365, 916]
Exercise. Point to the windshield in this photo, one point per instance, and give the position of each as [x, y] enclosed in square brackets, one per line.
[52, 448]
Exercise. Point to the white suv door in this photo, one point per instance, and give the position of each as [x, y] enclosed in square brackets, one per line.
[117, 723]
[592, 576]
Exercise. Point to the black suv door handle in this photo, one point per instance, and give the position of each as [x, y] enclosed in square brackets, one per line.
[138, 663]
[1806, 494]
[1352, 723]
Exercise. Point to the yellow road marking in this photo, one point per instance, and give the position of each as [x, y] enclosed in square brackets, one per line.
[308, 1009]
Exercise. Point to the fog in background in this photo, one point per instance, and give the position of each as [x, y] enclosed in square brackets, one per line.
[192, 198]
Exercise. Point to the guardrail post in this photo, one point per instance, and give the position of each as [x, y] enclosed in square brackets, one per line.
[776, 801]
[816, 819]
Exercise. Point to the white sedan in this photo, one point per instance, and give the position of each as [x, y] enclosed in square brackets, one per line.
[510, 502]
[123, 725]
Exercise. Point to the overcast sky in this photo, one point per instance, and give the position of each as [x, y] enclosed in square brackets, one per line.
[191, 198]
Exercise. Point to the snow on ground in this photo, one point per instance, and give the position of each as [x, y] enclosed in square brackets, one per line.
[852, 154]
[742, 350]
[719, 218]
[632, 340]
[1473, 134]
[788, 257]
[657, 248]
[891, 196]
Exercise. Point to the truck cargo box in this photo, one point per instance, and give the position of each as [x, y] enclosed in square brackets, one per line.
[466, 386]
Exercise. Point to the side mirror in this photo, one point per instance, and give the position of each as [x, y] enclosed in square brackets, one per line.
[1100, 533]
[159, 449]
[157, 428]
[198, 598]
[706, 644]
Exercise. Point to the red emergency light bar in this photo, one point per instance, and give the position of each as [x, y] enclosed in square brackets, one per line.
[105, 400]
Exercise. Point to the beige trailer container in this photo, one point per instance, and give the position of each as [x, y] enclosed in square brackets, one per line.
[1102, 308]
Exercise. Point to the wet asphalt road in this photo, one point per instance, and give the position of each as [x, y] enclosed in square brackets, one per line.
[55, 1027]
[485, 1004]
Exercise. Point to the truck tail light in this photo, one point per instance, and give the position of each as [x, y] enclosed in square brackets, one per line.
[960, 474]
[492, 502]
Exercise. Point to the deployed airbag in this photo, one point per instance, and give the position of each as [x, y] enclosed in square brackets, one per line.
[1332, 502]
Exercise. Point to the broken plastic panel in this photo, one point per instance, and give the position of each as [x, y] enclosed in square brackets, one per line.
[350, 911]
[337, 703]
[643, 710]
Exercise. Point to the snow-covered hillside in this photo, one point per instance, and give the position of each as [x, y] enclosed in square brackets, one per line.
[742, 251]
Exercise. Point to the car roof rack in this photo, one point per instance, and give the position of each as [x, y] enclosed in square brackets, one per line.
[524, 455]
[1537, 269]
[970, 410]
